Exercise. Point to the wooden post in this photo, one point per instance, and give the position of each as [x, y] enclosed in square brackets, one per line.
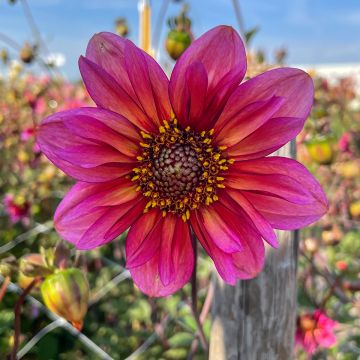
[255, 320]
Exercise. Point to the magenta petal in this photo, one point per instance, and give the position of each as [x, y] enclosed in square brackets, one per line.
[243, 264]
[169, 237]
[271, 136]
[279, 212]
[224, 73]
[294, 85]
[127, 64]
[238, 121]
[108, 94]
[223, 236]
[105, 155]
[261, 224]
[143, 240]
[88, 212]
[169, 267]
[279, 185]
[297, 90]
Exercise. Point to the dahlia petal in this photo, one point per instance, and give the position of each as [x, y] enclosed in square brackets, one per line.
[88, 211]
[126, 63]
[108, 51]
[143, 239]
[166, 263]
[238, 120]
[223, 261]
[279, 185]
[163, 276]
[90, 158]
[224, 73]
[280, 213]
[223, 236]
[105, 127]
[261, 224]
[193, 96]
[108, 94]
[271, 136]
[294, 85]
[297, 90]
[244, 264]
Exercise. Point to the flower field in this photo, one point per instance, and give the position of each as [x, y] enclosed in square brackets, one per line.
[120, 318]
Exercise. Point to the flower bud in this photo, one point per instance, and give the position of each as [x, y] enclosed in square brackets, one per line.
[177, 42]
[66, 293]
[4, 56]
[354, 209]
[27, 53]
[121, 27]
[8, 266]
[311, 245]
[33, 265]
[320, 151]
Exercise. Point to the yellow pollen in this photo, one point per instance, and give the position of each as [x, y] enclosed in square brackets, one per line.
[145, 135]
[177, 170]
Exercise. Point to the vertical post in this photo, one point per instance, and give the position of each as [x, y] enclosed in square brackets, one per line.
[255, 320]
[144, 7]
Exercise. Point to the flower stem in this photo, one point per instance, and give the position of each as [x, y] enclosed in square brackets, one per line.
[194, 308]
[17, 317]
[4, 286]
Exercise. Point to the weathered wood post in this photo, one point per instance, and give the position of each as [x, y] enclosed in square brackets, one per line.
[256, 319]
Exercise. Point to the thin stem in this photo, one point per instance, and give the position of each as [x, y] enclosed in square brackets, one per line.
[194, 309]
[204, 312]
[17, 311]
[4, 287]
[158, 25]
[34, 28]
[10, 42]
[239, 18]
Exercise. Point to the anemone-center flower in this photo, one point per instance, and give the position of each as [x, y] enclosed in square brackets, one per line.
[164, 158]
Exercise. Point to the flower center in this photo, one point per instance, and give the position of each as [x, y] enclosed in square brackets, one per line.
[307, 324]
[179, 169]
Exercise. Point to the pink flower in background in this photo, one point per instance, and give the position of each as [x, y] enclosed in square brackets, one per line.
[344, 142]
[27, 134]
[162, 157]
[17, 212]
[315, 331]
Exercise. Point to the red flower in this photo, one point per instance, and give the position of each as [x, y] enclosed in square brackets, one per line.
[315, 330]
[163, 157]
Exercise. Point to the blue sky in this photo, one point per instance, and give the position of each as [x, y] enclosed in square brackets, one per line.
[313, 31]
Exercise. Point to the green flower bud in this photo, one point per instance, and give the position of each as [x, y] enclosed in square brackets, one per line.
[66, 293]
[177, 42]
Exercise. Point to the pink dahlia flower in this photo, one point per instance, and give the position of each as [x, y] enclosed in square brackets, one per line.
[315, 330]
[16, 212]
[166, 158]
